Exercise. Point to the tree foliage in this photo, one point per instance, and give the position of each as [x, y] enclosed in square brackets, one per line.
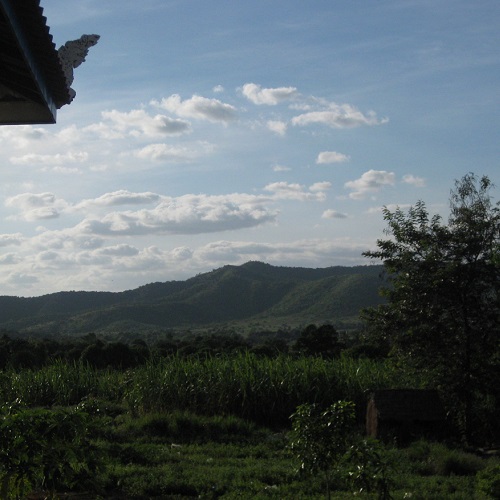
[320, 439]
[442, 314]
[325, 441]
[46, 449]
[318, 341]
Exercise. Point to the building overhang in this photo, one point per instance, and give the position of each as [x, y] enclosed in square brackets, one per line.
[32, 83]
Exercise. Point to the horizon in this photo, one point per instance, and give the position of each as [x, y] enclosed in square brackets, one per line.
[212, 134]
[190, 277]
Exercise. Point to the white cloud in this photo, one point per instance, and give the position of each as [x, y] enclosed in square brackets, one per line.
[95, 244]
[218, 89]
[138, 123]
[370, 182]
[320, 186]
[21, 279]
[120, 250]
[270, 96]
[297, 253]
[181, 253]
[37, 206]
[276, 126]
[57, 159]
[165, 152]
[199, 107]
[120, 197]
[22, 136]
[287, 191]
[66, 266]
[281, 168]
[413, 180]
[188, 214]
[9, 259]
[11, 239]
[62, 170]
[326, 157]
[338, 116]
[333, 214]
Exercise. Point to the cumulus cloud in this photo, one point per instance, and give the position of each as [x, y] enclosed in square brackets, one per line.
[21, 279]
[326, 157]
[369, 183]
[120, 197]
[138, 123]
[57, 159]
[11, 239]
[36, 206]
[413, 180]
[63, 170]
[276, 126]
[338, 116]
[120, 266]
[296, 253]
[9, 259]
[165, 152]
[270, 96]
[118, 250]
[320, 186]
[198, 107]
[333, 214]
[188, 214]
[293, 191]
[22, 136]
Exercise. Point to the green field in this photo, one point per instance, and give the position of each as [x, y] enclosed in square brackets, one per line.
[213, 427]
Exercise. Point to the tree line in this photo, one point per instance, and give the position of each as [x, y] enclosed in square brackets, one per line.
[19, 353]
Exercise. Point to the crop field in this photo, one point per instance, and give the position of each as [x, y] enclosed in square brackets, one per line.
[214, 427]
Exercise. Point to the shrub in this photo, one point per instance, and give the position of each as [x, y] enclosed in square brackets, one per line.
[324, 442]
[47, 449]
[488, 481]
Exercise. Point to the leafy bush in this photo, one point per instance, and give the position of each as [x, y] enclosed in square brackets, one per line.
[324, 441]
[437, 459]
[488, 481]
[47, 449]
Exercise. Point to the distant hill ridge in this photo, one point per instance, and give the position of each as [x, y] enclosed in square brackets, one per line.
[251, 292]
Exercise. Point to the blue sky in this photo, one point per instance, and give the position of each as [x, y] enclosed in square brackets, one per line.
[213, 133]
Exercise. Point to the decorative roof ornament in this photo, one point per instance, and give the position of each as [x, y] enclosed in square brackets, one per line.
[72, 54]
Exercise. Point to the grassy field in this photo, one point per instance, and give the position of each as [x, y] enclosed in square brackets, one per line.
[205, 428]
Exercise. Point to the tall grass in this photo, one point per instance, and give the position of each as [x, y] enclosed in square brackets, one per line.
[60, 384]
[263, 390]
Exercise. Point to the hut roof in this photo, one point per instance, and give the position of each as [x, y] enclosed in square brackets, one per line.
[32, 83]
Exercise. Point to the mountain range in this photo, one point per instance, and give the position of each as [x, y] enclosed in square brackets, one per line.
[254, 293]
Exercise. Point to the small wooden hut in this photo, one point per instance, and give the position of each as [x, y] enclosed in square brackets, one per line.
[405, 415]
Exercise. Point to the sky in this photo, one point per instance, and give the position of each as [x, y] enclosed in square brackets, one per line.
[212, 133]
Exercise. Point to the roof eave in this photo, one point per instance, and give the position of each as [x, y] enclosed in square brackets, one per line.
[27, 111]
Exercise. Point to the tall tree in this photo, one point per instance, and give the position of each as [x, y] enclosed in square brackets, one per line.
[443, 289]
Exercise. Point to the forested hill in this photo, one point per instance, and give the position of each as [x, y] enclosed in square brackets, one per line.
[254, 292]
